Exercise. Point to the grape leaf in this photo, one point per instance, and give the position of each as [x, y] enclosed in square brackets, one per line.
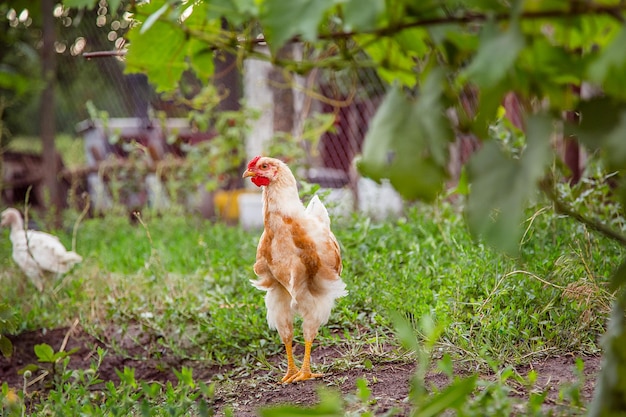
[176, 53]
[603, 127]
[153, 18]
[396, 56]
[496, 55]
[612, 57]
[408, 141]
[357, 17]
[608, 69]
[501, 186]
[282, 20]
[236, 12]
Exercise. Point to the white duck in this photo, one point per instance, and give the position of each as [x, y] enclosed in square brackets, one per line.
[37, 253]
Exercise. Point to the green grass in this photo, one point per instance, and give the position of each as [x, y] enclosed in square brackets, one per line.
[185, 282]
[174, 270]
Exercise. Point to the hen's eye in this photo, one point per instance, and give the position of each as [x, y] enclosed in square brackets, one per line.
[263, 166]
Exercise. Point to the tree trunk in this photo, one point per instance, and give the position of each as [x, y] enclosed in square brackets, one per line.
[227, 78]
[227, 81]
[47, 115]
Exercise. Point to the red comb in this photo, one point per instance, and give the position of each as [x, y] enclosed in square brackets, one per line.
[253, 162]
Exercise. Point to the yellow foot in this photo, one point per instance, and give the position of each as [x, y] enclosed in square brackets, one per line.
[301, 375]
[291, 372]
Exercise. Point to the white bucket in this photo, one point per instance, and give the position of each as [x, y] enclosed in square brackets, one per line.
[250, 210]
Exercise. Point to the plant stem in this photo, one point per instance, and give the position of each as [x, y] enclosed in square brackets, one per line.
[560, 206]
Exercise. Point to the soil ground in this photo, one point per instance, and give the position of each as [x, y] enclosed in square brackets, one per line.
[389, 382]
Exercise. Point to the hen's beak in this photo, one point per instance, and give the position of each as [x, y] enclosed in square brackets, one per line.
[248, 173]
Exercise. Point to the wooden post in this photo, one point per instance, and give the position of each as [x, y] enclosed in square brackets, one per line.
[283, 94]
[47, 114]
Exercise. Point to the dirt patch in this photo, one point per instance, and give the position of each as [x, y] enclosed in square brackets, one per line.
[389, 382]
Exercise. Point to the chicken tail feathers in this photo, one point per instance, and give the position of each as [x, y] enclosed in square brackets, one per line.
[262, 284]
[316, 209]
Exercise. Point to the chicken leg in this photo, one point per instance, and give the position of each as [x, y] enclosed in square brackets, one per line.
[305, 371]
[292, 370]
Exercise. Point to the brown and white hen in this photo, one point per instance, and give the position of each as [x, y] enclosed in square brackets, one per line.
[298, 261]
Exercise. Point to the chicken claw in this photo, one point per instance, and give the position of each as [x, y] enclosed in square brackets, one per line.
[305, 371]
[290, 375]
[302, 375]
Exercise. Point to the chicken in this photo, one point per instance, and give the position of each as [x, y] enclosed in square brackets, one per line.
[37, 253]
[298, 261]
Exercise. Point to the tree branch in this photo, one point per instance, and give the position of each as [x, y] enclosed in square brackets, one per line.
[226, 40]
[560, 206]
[576, 9]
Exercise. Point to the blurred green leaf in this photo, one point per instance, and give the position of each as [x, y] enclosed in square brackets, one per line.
[6, 347]
[11, 80]
[153, 18]
[414, 42]
[407, 142]
[618, 279]
[452, 396]
[496, 55]
[363, 391]
[552, 62]
[199, 53]
[236, 12]
[603, 127]
[282, 20]
[114, 5]
[330, 405]
[608, 68]
[358, 17]
[176, 53]
[394, 63]
[445, 365]
[539, 5]
[599, 116]
[501, 186]
[405, 332]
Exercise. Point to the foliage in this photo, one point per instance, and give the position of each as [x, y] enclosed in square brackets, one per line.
[298, 150]
[182, 282]
[485, 49]
[470, 396]
[218, 161]
[77, 79]
[82, 392]
[438, 53]
[397, 118]
[538, 50]
[7, 326]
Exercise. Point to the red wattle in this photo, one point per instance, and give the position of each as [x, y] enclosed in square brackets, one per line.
[260, 181]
